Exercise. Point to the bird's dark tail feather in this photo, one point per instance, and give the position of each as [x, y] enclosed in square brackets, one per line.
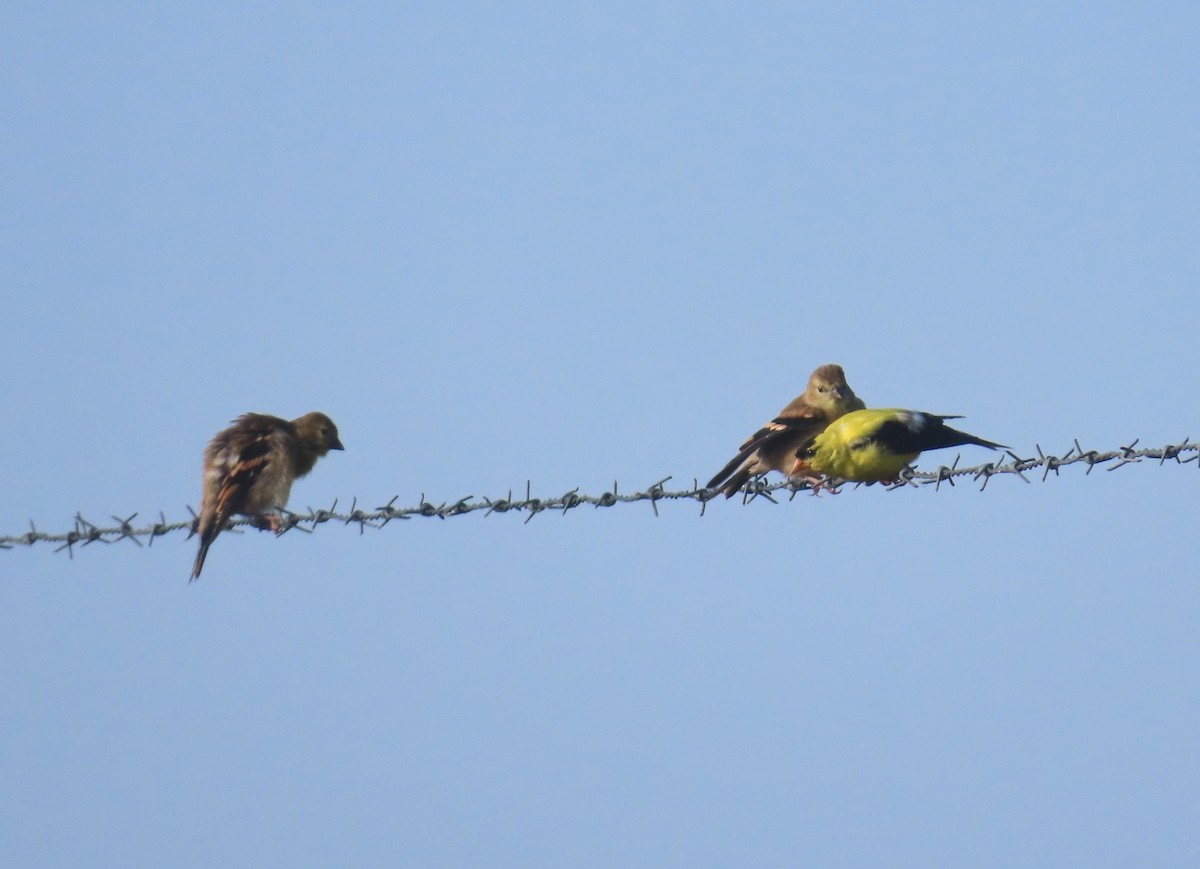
[206, 540]
[944, 436]
[734, 473]
[736, 482]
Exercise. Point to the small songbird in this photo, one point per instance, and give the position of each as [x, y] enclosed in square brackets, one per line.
[249, 468]
[773, 447]
[876, 445]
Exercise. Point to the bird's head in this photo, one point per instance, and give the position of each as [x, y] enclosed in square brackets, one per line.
[317, 433]
[829, 391]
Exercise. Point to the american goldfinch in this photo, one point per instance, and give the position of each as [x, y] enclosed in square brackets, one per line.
[250, 466]
[874, 445]
[773, 447]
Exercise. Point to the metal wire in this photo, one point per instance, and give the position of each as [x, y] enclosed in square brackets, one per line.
[85, 532]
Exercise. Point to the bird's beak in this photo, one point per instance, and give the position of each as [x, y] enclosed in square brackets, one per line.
[336, 445]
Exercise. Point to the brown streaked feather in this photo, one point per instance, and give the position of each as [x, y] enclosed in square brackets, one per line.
[768, 448]
[773, 447]
[230, 498]
[250, 466]
[235, 488]
[783, 424]
[250, 442]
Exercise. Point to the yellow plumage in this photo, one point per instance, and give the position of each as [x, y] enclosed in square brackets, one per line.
[877, 444]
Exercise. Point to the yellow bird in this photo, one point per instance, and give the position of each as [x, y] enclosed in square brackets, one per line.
[876, 445]
[773, 447]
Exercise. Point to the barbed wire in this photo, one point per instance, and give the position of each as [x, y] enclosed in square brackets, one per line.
[85, 532]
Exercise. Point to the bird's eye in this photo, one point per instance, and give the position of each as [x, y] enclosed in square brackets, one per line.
[822, 389]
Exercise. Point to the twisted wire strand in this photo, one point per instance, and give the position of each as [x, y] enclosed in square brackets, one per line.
[85, 532]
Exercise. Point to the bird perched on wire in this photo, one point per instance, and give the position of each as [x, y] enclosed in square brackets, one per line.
[773, 447]
[249, 468]
[876, 445]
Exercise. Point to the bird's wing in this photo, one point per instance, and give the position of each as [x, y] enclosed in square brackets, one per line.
[899, 436]
[244, 459]
[801, 424]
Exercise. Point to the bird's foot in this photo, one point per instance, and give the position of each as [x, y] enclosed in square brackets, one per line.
[268, 522]
[825, 484]
[816, 482]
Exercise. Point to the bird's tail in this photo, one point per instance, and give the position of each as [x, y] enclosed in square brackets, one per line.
[733, 476]
[207, 536]
[945, 436]
[199, 565]
[735, 483]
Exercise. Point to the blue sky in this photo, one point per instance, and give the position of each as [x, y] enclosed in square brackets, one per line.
[573, 244]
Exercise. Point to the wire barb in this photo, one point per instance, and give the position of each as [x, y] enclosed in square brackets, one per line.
[84, 532]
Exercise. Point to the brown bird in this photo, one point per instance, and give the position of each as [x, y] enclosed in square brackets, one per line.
[249, 468]
[773, 447]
